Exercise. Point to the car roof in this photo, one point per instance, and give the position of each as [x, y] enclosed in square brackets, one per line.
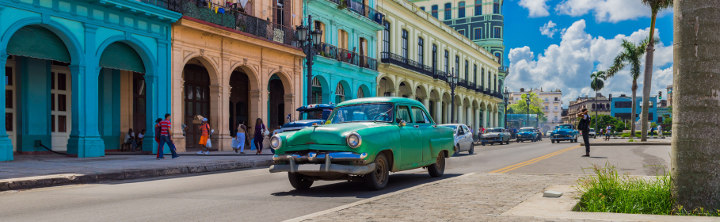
[527, 128]
[315, 107]
[381, 100]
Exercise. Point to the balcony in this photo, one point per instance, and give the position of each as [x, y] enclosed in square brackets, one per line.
[346, 56]
[232, 18]
[361, 9]
[503, 69]
[410, 64]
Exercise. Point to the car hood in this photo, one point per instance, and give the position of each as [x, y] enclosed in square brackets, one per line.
[331, 134]
[525, 133]
[303, 123]
[563, 131]
[491, 134]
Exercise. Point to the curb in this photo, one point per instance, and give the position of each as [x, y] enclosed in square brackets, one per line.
[128, 174]
[629, 144]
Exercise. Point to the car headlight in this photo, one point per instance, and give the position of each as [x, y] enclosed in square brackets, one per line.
[275, 142]
[354, 140]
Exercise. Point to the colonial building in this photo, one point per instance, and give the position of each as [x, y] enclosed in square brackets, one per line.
[345, 66]
[419, 54]
[79, 74]
[599, 105]
[621, 108]
[552, 103]
[234, 63]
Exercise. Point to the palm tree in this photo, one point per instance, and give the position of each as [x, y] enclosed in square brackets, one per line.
[630, 55]
[655, 7]
[597, 84]
[694, 166]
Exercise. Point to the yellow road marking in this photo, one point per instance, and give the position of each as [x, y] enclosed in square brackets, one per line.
[531, 161]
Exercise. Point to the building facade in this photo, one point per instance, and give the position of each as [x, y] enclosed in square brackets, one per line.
[601, 105]
[81, 73]
[234, 63]
[621, 108]
[419, 53]
[552, 103]
[345, 66]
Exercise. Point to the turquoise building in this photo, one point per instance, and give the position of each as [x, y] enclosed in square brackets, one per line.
[345, 66]
[80, 74]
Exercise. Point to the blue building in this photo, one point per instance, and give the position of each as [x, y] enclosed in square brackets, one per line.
[345, 66]
[78, 71]
[621, 108]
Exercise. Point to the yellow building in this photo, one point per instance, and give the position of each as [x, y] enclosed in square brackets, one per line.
[418, 51]
[234, 63]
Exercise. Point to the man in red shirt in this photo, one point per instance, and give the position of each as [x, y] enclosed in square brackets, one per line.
[165, 135]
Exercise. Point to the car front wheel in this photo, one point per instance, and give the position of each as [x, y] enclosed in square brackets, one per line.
[299, 181]
[472, 149]
[378, 178]
[437, 169]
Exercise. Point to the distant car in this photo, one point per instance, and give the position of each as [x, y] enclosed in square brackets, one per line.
[495, 135]
[540, 134]
[592, 133]
[527, 134]
[548, 133]
[463, 138]
[564, 132]
[313, 114]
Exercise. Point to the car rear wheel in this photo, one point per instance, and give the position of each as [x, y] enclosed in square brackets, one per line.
[437, 169]
[378, 178]
[299, 181]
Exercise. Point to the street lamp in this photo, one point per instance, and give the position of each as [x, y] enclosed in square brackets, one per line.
[527, 105]
[505, 99]
[452, 80]
[309, 42]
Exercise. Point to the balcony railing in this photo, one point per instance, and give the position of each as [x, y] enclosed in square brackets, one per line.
[410, 64]
[346, 56]
[230, 16]
[503, 69]
[360, 8]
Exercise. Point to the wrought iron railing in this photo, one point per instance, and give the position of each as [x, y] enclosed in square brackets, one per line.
[346, 56]
[230, 16]
[360, 8]
[388, 57]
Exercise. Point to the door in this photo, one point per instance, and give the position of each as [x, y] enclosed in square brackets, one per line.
[60, 115]
[197, 102]
[424, 128]
[410, 152]
[467, 139]
[10, 103]
[460, 138]
[139, 117]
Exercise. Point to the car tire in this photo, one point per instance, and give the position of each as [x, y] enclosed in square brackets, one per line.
[552, 141]
[483, 144]
[299, 181]
[437, 169]
[472, 149]
[492, 144]
[378, 178]
[457, 149]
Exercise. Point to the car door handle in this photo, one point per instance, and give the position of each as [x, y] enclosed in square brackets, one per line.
[416, 126]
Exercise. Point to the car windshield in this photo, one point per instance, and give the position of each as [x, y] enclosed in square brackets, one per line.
[317, 114]
[369, 112]
[526, 130]
[494, 130]
[563, 127]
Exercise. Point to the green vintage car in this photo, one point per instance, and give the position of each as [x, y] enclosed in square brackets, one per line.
[364, 139]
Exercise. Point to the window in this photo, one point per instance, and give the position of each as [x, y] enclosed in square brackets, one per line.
[461, 10]
[404, 114]
[475, 74]
[342, 39]
[448, 13]
[422, 8]
[478, 33]
[457, 65]
[321, 26]
[461, 31]
[339, 93]
[434, 11]
[404, 44]
[478, 7]
[419, 115]
[497, 32]
[447, 61]
[623, 104]
[386, 37]
[434, 57]
[482, 78]
[496, 7]
[467, 70]
[421, 51]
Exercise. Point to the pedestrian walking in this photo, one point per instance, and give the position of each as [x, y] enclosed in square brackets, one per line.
[165, 137]
[204, 137]
[157, 137]
[260, 130]
[608, 130]
[584, 126]
[660, 132]
[652, 131]
[240, 138]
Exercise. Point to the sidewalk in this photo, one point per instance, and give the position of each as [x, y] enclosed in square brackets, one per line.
[626, 142]
[34, 171]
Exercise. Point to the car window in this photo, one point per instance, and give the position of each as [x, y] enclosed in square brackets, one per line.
[461, 131]
[419, 115]
[466, 129]
[404, 114]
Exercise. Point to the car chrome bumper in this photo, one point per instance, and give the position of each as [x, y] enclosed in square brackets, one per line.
[563, 138]
[322, 157]
[322, 162]
[489, 140]
[330, 168]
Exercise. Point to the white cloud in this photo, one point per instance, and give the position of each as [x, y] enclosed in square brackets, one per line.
[537, 8]
[567, 66]
[605, 10]
[548, 29]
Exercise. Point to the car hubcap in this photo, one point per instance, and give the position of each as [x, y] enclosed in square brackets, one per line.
[380, 171]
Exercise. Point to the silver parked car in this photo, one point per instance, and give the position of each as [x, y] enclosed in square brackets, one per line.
[495, 135]
[463, 138]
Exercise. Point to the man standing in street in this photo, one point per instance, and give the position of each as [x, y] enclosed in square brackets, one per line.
[660, 131]
[165, 135]
[584, 126]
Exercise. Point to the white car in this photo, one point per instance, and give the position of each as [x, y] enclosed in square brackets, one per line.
[463, 138]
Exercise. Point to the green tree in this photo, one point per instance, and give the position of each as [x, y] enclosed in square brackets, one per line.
[696, 81]
[655, 7]
[597, 84]
[521, 107]
[630, 55]
[601, 121]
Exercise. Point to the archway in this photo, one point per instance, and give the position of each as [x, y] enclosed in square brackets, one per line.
[467, 119]
[386, 87]
[363, 91]
[239, 107]
[405, 90]
[446, 107]
[122, 97]
[319, 90]
[342, 92]
[276, 102]
[38, 104]
[420, 94]
[433, 108]
[196, 92]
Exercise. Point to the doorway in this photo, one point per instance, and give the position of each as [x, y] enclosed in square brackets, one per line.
[197, 102]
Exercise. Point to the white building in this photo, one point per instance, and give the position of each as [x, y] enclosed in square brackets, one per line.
[552, 103]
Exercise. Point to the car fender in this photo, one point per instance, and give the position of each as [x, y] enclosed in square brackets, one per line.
[440, 144]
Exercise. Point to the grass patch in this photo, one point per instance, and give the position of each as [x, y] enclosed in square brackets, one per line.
[608, 191]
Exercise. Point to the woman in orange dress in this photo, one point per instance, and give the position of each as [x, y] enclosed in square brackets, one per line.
[204, 136]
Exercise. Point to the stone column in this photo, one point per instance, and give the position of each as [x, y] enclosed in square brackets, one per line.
[177, 99]
[255, 111]
[216, 114]
[85, 139]
[6, 147]
[223, 124]
[438, 112]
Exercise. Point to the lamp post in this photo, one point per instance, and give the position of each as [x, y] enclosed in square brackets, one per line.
[452, 80]
[527, 106]
[505, 99]
[309, 42]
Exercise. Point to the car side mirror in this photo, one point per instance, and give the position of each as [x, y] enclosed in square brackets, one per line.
[402, 123]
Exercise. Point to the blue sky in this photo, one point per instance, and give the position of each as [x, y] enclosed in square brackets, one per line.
[558, 43]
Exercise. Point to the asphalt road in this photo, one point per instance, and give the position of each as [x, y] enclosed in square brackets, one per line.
[248, 195]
